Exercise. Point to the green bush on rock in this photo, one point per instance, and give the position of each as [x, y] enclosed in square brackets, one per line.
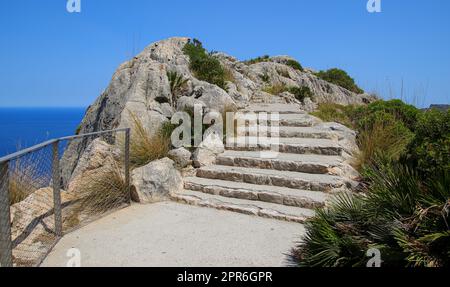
[340, 78]
[403, 208]
[204, 66]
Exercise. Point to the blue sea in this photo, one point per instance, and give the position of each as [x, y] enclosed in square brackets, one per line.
[25, 127]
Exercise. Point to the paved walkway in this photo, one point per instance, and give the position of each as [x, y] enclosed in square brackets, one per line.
[172, 234]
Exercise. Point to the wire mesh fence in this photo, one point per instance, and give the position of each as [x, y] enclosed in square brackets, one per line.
[53, 188]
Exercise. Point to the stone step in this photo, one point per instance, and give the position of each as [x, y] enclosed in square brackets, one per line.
[257, 208]
[287, 145]
[290, 179]
[278, 108]
[297, 120]
[287, 132]
[272, 194]
[318, 164]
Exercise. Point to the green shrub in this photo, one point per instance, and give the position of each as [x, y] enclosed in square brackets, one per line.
[402, 216]
[340, 78]
[204, 66]
[383, 126]
[301, 93]
[403, 210]
[405, 113]
[430, 150]
[294, 64]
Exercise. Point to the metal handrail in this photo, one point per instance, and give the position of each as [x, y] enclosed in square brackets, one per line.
[23, 152]
[5, 227]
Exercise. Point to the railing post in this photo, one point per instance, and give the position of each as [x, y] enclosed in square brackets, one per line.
[127, 164]
[56, 190]
[5, 218]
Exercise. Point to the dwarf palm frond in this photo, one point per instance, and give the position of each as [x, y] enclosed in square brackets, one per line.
[177, 83]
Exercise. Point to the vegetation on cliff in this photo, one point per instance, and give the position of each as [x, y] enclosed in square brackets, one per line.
[204, 66]
[404, 207]
[340, 78]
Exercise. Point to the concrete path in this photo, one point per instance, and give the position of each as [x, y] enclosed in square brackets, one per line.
[173, 234]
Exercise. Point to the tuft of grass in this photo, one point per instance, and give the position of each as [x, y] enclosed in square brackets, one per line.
[276, 89]
[23, 180]
[387, 138]
[331, 112]
[100, 191]
[145, 148]
[229, 76]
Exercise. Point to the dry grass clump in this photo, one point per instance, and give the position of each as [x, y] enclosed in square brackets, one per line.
[23, 180]
[381, 138]
[145, 148]
[331, 112]
[98, 191]
[276, 89]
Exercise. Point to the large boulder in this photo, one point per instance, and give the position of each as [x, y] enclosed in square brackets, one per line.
[208, 150]
[155, 181]
[97, 155]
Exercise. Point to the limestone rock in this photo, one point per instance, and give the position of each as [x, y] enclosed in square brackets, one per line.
[208, 150]
[181, 156]
[32, 223]
[155, 181]
[97, 154]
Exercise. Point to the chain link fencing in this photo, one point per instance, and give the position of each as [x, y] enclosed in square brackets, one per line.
[53, 188]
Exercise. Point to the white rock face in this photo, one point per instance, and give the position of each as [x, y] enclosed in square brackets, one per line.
[208, 150]
[155, 181]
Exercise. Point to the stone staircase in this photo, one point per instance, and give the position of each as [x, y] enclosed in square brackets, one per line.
[289, 186]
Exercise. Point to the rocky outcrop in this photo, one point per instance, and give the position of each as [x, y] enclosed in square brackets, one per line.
[97, 155]
[155, 181]
[141, 86]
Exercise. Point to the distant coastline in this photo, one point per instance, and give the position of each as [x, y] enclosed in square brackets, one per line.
[27, 126]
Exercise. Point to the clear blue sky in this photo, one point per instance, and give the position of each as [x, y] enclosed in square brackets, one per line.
[52, 58]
